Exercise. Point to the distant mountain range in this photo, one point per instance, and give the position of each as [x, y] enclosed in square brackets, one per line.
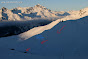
[29, 13]
[36, 12]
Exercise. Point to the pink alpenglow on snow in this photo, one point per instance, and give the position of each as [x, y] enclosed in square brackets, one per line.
[27, 49]
[60, 29]
[43, 41]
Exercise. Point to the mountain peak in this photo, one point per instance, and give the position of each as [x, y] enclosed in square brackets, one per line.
[38, 5]
[85, 9]
[4, 9]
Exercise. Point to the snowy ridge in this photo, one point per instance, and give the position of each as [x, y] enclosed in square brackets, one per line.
[38, 30]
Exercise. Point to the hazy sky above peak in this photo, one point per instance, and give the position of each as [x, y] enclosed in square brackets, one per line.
[56, 5]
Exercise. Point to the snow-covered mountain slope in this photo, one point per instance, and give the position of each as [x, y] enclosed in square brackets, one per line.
[77, 14]
[38, 30]
[7, 14]
[82, 12]
[70, 43]
[34, 31]
[70, 15]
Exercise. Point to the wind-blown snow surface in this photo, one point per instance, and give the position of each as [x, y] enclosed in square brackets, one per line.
[71, 43]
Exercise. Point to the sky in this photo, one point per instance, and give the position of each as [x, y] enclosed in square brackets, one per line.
[55, 5]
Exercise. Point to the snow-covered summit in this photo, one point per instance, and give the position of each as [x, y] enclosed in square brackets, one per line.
[38, 5]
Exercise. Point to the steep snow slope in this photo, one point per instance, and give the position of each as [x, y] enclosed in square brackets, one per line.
[71, 43]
